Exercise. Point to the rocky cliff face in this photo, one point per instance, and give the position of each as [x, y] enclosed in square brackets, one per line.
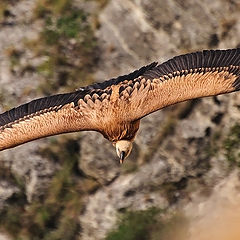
[72, 187]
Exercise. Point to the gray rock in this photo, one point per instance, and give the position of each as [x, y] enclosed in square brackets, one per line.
[98, 158]
[6, 191]
[133, 191]
[23, 161]
[34, 170]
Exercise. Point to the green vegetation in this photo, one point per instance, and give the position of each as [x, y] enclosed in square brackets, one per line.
[14, 56]
[134, 225]
[70, 25]
[149, 225]
[232, 145]
[213, 146]
[68, 45]
[55, 216]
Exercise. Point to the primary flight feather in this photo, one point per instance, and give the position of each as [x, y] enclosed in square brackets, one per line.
[115, 107]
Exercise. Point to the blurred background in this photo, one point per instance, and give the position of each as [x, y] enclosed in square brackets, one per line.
[182, 180]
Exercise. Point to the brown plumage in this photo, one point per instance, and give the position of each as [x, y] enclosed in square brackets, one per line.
[115, 107]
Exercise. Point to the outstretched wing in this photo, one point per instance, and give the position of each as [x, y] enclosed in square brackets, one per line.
[195, 75]
[40, 118]
[88, 108]
[106, 106]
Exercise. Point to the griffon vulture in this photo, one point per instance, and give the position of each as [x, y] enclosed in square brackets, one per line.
[115, 107]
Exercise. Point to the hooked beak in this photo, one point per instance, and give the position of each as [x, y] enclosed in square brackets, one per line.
[123, 148]
[122, 156]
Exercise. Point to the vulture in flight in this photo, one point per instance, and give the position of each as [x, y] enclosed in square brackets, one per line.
[115, 107]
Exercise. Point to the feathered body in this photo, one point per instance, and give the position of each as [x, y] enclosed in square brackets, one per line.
[115, 107]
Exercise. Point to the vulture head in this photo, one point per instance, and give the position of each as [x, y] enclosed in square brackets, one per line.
[123, 148]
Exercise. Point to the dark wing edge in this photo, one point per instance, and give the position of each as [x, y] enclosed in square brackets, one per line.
[115, 81]
[201, 60]
[184, 77]
[40, 105]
